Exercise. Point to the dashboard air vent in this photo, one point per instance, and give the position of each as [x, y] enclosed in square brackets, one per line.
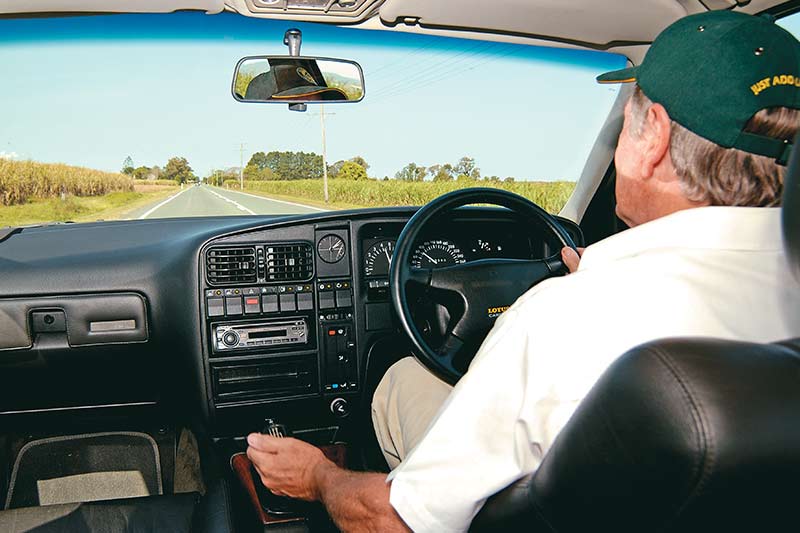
[289, 262]
[231, 265]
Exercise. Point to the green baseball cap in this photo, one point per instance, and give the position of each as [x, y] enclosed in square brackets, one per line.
[713, 71]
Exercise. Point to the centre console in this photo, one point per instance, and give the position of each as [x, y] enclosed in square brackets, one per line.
[279, 325]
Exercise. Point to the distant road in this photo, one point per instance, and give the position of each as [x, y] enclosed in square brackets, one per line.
[204, 200]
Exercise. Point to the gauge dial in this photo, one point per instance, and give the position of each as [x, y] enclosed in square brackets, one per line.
[331, 248]
[437, 253]
[378, 258]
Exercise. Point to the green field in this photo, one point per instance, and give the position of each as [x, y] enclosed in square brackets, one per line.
[372, 193]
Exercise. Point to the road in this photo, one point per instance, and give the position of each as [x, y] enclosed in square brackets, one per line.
[204, 200]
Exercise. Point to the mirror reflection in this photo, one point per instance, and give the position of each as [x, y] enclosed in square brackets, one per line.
[297, 79]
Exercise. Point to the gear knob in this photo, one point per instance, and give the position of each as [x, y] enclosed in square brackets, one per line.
[273, 429]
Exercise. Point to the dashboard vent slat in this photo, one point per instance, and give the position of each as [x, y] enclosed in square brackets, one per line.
[231, 265]
[289, 262]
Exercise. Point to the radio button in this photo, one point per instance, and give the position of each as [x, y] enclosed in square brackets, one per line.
[288, 302]
[305, 301]
[230, 338]
[233, 305]
[270, 303]
[216, 307]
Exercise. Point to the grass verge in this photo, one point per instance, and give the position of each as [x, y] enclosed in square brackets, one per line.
[112, 206]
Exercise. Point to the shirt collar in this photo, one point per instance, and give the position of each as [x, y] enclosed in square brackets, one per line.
[717, 228]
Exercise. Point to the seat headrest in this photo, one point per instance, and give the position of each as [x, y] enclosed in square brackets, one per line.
[791, 210]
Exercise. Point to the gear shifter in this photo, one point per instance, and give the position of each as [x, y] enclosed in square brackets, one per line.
[272, 503]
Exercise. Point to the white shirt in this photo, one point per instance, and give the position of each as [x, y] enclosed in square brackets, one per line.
[711, 271]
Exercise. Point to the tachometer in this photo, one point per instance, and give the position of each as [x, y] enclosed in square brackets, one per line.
[378, 258]
[437, 253]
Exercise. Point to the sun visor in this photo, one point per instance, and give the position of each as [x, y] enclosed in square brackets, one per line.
[599, 25]
[104, 6]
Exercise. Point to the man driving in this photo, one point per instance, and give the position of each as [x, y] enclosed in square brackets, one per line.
[699, 165]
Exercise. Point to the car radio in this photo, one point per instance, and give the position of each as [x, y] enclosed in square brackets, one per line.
[275, 333]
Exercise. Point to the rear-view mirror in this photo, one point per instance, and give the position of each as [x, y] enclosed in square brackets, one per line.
[290, 79]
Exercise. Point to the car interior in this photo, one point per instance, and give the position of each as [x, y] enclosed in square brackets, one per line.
[136, 356]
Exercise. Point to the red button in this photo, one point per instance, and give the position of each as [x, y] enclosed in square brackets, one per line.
[331, 332]
[251, 301]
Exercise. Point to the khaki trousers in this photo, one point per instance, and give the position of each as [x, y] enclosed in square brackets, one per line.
[405, 402]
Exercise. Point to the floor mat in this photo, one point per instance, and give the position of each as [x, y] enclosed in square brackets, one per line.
[80, 468]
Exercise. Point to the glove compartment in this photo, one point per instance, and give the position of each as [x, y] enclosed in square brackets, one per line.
[74, 351]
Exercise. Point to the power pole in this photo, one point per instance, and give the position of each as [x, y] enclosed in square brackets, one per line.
[324, 151]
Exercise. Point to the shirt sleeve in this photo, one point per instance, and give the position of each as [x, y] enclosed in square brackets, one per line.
[480, 441]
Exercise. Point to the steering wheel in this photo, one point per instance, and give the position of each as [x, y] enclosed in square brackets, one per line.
[471, 292]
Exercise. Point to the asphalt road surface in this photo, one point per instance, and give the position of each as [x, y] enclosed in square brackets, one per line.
[204, 200]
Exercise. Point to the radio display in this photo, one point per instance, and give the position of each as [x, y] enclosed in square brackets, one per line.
[267, 334]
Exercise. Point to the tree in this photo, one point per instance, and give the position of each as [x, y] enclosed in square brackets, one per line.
[509, 180]
[352, 171]
[411, 172]
[466, 167]
[127, 166]
[178, 169]
[441, 172]
[258, 168]
[140, 173]
[258, 160]
[252, 173]
[293, 165]
[333, 170]
[492, 178]
[360, 161]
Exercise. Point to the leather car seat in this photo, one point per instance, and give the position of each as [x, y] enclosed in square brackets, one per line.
[677, 435]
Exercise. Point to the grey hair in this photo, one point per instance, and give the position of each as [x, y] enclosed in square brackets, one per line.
[724, 176]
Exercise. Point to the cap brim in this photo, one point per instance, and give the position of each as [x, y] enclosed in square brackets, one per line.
[625, 75]
[329, 93]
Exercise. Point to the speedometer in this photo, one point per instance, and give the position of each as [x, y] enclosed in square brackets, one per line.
[437, 253]
[378, 258]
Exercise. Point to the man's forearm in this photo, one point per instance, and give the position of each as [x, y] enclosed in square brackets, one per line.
[357, 501]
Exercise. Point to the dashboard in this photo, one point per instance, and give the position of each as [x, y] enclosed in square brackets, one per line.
[235, 318]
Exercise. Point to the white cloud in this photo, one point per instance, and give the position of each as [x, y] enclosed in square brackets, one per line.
[9, 155]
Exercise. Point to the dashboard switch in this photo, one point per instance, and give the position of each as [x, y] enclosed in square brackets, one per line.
[252, 305]
[288, 303]
[326, 300]
[340, 408]
[270, 303]
[233, 305]
[305, 301]
[344, 299]
[216, 307]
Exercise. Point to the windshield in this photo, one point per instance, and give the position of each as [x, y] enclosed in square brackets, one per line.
[132, 116]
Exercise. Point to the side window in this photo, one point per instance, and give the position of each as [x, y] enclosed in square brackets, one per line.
[791, 23]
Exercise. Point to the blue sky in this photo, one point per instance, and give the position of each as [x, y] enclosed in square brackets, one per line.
[92, 90]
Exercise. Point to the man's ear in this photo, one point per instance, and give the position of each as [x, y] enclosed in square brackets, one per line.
[657, 127]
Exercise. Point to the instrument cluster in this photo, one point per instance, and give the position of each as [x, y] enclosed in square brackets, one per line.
[442, 251]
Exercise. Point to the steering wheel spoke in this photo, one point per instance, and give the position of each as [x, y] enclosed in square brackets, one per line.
[418, 276]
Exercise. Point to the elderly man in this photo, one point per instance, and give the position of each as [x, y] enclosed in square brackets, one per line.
[699, 179]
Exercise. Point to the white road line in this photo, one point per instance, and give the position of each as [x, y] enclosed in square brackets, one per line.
[279, 201]
[162, 204]
[239, 206]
